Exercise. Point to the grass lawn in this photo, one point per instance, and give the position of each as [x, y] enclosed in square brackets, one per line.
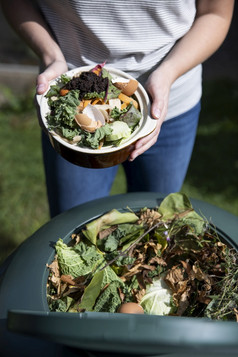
[212, 174]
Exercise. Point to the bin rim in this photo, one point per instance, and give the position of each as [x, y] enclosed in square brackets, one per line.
[138, 334]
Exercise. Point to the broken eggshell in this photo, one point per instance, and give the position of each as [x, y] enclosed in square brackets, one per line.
[130, 308]
[127, 86]
[90, 119]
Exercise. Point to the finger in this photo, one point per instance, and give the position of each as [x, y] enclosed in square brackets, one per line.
[144, 144]
[157, 108]
[142, 149]
[147, 139]
[41, 83]
[51, 72]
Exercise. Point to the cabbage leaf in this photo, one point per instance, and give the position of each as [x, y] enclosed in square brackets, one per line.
[95, 293]
[157, 300]
[178, 205]
[79, 260]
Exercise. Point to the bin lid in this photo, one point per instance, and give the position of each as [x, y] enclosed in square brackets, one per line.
[134, 334]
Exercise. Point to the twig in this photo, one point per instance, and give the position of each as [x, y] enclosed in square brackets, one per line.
[123, 253]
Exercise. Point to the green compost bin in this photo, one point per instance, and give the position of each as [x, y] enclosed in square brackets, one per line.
[28, 327]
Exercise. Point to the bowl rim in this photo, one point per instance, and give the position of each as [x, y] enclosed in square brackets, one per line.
[146, 126]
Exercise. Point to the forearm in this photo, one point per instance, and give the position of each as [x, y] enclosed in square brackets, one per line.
[204, 38]
[31, 27]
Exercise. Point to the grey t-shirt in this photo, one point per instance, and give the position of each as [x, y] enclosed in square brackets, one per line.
[131, 35]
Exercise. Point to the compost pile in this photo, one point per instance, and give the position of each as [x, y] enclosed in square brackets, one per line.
[167, 259]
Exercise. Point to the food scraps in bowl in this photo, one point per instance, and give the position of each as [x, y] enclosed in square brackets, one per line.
[93, 109]
[166, 260]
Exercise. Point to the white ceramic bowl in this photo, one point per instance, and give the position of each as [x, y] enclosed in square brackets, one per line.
[106, 156]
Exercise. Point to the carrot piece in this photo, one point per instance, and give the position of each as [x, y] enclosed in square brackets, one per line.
[101, 144]
[80, 106]
[125, 99]
[123, 106]
[86, 102]
[63, 91]
[95, 101]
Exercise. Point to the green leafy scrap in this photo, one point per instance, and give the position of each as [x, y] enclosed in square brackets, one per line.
[177, 207]
[64, 109]
[91, 292]
[95, 290]
[93, 139]
[109, 300]
[131, 117]
[78, 260]
[109, 219]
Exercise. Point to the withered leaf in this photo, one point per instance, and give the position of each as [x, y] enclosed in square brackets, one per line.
[199, 274]
[183, 302]
[236, 314]
[67, 279]
[174, 276]
[158, 260]
[104, 233]
[54, 276]
[76, 238]
[181, 286]
[121, 294]
[203, 298]
[141, 281]
[186, 266]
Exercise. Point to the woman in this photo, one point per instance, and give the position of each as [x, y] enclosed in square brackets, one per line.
[161, 43]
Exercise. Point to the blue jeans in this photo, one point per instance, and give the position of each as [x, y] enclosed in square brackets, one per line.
[160, 169]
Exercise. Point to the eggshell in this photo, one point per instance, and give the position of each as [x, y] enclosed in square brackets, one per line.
[128, 88]
[131, 308]
[94, 113]
[90, 119]
[86, 123]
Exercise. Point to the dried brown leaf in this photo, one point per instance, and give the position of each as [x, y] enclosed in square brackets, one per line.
[183, 302]
[141, 281]
[174, 276]
[158, 260]
[121, 294]
[68, 279]
[54, 267]
[186, 266]
[181, 287]
[104, 233]
[200, 275]
[236, 314]
[138, 294]
[76, 238]
[54, 276]
[203, 298]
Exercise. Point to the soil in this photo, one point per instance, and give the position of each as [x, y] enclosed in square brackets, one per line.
[88, 82]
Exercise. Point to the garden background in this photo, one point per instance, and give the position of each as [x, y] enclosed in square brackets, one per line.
[213, 171]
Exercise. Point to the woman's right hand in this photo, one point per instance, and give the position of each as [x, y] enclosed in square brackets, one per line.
[52, 71]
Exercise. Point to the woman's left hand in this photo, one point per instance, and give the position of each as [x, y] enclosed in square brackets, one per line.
[158, 87]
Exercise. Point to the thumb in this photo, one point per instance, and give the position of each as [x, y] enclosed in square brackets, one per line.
[156, 109]
[51, 72]
[42, 83]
